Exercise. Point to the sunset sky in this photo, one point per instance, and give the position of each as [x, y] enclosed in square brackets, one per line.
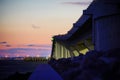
[27, 26]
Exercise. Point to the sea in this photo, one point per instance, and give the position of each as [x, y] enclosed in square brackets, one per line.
[9, 67]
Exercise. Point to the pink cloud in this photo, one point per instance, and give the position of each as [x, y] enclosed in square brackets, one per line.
[77, 3]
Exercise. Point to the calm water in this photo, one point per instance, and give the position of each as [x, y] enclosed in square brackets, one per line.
[11, 66]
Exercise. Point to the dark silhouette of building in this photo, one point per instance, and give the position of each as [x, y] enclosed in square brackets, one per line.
[97, 29]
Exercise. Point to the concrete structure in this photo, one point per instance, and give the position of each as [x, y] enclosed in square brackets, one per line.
[97, 29]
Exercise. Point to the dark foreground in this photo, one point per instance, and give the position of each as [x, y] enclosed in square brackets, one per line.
[19, 76]
[45, 72]
[92, 66]
[16, 69]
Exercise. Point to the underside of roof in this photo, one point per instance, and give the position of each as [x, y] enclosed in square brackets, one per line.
[81, 28]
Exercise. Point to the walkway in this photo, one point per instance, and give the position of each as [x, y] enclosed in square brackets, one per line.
[45, 72]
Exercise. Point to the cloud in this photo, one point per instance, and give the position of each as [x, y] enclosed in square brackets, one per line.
[35, 27]
[77, 3]
[45, 46]
[38, 45]
[7, 45]
[3, 42]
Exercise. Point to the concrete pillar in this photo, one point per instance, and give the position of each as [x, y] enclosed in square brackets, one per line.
[55, 50]
[58, 51]
[61, 51]
[67, 53]
[60, 48]
[64, 53]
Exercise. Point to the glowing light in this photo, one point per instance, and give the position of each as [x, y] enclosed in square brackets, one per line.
[27, 55]
[6, 56]
[47, 57]
[17, 55]
[38, 55]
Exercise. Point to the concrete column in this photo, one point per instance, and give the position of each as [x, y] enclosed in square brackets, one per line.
[55, 50]
[68, 53]
[58, 50]
[64, 52]
[77, 50]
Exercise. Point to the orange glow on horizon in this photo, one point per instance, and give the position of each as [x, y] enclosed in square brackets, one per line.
[34, 22]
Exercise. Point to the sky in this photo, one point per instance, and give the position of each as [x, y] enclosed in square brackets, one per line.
[27, 26]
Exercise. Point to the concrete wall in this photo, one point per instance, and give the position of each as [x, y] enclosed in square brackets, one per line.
[107, 32]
